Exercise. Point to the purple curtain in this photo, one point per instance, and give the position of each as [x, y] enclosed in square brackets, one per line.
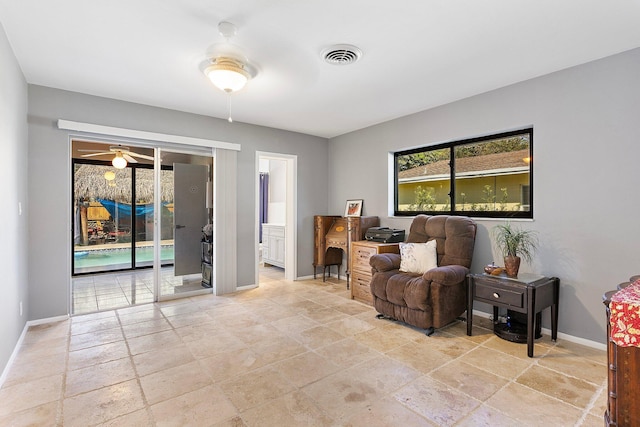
[264, 199]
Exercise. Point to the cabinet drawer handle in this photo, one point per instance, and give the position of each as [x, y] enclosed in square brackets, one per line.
[496, 295]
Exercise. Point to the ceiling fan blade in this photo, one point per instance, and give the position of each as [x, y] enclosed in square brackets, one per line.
[142, 156]
[128, 158]
[84, 150]
[96, 154]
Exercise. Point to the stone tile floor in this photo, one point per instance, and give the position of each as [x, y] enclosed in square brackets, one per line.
[113, 290]
[291, 354]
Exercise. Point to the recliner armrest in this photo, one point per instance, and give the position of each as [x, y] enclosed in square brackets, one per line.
[447, 274]
[385, 262]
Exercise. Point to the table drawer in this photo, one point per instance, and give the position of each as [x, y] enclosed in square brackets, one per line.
[360, 288]
[497, 295]
[361, 256]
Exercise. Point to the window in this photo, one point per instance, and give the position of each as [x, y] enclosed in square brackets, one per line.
[490, 176]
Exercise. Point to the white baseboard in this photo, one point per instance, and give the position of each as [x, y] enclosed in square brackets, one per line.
[14, 354]
[246, 287]
[546, 331]
[47, 320]
[16, 348]
[577, 340]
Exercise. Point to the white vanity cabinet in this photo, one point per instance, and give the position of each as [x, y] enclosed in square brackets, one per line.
[273, 244]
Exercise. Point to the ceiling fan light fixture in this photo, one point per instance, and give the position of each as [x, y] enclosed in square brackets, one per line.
[227, 74]
[118, 161]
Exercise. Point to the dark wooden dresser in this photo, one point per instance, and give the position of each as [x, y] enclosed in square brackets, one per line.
[623, 403]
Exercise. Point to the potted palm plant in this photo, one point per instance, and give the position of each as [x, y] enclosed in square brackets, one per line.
[514, 243]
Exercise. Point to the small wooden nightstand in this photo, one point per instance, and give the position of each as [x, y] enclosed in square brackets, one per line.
[361, 252]
[528, 294]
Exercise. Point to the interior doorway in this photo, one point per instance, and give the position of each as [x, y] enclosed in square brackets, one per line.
[276, 214]
[124, 230]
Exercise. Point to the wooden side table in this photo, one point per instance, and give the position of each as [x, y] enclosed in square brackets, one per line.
[528, 294]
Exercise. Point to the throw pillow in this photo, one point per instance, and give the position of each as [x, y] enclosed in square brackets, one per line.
[418, 257]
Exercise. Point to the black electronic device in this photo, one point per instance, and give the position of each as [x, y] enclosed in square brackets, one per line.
[384, 235]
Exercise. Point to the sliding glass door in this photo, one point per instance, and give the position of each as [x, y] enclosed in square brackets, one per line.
[102, 221]
[137, 227]
[114, 218]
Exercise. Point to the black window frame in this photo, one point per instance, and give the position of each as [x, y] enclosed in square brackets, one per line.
[526, 214]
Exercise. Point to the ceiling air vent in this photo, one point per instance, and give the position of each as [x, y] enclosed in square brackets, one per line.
[342, 54]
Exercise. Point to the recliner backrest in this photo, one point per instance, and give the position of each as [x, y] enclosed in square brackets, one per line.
[455, 237]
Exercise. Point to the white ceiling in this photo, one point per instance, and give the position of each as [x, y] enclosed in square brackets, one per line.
[418, 54]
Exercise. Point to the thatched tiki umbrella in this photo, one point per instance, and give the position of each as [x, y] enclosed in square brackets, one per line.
[90, 183]
[94, 182]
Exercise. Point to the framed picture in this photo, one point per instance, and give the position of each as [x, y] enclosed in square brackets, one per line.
[353, 208]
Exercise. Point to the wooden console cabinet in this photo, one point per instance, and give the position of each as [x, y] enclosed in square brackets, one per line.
[361, 252]
[324, 256]
[623, 405]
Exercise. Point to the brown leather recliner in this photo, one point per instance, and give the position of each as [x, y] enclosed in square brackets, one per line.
[437, 297]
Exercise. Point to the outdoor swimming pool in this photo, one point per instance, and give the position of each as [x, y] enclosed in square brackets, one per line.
[107, 259]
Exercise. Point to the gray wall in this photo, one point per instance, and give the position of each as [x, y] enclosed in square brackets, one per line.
[586, 175]
[50, 191]
[585, 153]
[13, 175]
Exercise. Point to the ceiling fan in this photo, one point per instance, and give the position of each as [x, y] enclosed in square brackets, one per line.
[122, 155]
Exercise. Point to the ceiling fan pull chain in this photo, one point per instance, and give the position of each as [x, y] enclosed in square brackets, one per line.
[229, 106]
